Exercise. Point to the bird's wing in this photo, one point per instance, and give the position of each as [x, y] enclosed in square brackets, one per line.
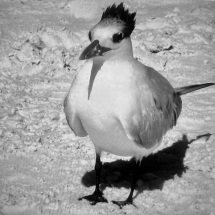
[157, 110]
[191, 88]
[166, 99]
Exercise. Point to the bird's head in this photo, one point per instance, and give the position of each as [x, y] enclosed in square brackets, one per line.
[111, 34]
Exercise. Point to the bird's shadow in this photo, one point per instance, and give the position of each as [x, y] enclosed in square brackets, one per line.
[155, 169]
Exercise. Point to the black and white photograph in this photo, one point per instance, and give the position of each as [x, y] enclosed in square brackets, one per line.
[107, 107]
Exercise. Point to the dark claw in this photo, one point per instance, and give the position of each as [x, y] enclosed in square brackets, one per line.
[123, 203]
[95, 198]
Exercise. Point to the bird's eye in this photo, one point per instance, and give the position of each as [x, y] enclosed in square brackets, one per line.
[90, 36]
[117, 37]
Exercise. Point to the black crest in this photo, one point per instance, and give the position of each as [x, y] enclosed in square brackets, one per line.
[120, 13]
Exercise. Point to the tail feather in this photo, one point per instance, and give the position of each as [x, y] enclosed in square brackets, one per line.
[184, 90]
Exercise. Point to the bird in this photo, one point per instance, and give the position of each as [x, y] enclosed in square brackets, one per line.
[123, 105]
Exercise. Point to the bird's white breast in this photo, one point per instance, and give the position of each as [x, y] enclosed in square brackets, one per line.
[111, 106]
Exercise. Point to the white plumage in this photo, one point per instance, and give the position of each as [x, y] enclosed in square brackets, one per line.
[124, 106]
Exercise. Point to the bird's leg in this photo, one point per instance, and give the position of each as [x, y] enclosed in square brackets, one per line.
[97, 196]
[129, 200]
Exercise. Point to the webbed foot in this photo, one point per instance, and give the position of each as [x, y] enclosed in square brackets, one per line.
[96, 197]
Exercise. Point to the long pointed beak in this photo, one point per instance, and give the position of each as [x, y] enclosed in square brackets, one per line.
[93, 50]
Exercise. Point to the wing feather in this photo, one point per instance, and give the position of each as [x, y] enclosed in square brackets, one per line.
[158, 107]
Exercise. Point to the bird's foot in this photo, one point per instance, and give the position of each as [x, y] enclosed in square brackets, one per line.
[121, 204]
[96, 197]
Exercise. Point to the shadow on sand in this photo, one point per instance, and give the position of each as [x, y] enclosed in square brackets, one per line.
[155, 169]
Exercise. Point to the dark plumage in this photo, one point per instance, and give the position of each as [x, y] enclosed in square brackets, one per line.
[121, 15]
